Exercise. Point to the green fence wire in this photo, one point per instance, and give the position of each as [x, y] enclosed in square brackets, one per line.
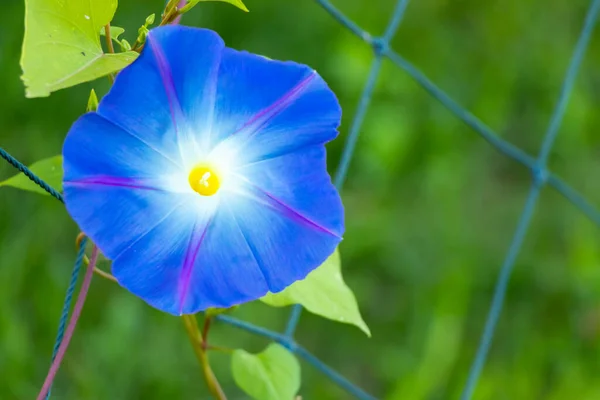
[541, 176]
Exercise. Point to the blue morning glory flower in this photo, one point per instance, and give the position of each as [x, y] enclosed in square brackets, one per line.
[202, 174]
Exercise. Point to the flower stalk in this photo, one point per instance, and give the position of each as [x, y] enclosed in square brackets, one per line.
[87, 280]
[200, 346]
[109, 47]
[198, 340]
[86, 261]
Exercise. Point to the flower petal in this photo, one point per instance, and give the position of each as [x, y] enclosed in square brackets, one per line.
[115, 216]
[149, 95]
[189, 60]
[254, 243]
[285, 244]
[276, 216]
[299, 181]
[225, 271]
[158, 265]
[96, 149]
[267, 108]
[189, 264]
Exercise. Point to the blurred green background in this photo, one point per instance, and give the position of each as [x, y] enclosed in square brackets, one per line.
[431, 209]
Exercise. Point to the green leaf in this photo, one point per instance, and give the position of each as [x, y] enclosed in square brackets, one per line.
[150, 19]
[61, 47]
[115, 32]
[238, 3]
[212, 312]
[49, 170]
[92, 104]
[323, 292]
[125, 46]
[273, 374]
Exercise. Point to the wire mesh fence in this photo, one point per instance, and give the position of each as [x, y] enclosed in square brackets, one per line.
[537, 165]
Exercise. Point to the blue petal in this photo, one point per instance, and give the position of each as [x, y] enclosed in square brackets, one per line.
[299, 181]
[184, 264]
[149, 97]
[260, 239]
[253, 244]
[158, 265]
[180, 253]
[225, 271]
[267, 108]
[189, 60]
[115, 216]
[96, 148]
[285, 244]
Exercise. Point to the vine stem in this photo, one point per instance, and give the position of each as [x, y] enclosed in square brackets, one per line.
[199, 345]
[110, 47]
[205, 329]
[171, 14]
[109, 43]
[86, 260]
[71, 327]
[179, 6]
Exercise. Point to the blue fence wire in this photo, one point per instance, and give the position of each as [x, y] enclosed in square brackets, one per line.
[64, 316]
[541, 176]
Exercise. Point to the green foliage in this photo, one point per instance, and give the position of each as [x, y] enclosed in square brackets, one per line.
[212, 312]
[92, 104]
[69, 34]
[323, 292]
[431, 209]
[125, 46]
[115, 32]
[150, 19]
[238, 3]
[144, 29]
[50, 170]
[273, 374]
[61, 47]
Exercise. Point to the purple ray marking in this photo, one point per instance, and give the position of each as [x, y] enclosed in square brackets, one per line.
[191, 254]
[267, 114]
[277, 205]
[167, 79]
[131, 183]
[282, 152]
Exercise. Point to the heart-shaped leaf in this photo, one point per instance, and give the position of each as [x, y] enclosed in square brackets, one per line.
[273, 374]
[323, 292]
[50, 170]
[115, 32]
[238, 3]
[61, 47]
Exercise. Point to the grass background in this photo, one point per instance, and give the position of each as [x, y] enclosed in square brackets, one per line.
[431, 209]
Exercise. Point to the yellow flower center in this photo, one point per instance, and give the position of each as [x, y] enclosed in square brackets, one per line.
[204, 180]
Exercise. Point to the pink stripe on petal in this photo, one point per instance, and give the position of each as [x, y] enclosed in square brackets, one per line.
[132, 183]
[254, 124]
[276, 204]
[190, 259]
[167, 79]
[293, 214]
